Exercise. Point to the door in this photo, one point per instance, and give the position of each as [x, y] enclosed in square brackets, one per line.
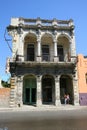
[30, 91]
[30, 96]
[27, 91]
[33, 95]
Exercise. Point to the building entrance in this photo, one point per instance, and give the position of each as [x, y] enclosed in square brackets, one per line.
[66, 88]
[47, 89]
[29, 90]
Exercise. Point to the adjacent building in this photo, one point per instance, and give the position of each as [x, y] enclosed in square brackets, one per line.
[82, 79]
[43, 66]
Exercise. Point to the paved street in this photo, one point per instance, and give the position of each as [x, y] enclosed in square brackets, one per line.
[44, 120]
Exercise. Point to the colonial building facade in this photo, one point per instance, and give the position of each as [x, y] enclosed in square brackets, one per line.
[43, 64]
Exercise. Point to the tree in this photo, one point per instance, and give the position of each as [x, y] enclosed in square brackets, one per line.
[5, 84]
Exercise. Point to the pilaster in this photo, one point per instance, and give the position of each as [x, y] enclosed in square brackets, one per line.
[21, 48]
[57, 91]
[39, 92]
[76, 94]
[12, 92]
[19, 91]
[73, 47]
[38, 49]
[55, 51]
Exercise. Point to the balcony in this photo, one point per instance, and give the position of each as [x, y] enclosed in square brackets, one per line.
[45, 62]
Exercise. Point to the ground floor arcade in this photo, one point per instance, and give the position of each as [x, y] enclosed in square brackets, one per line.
[45, 90]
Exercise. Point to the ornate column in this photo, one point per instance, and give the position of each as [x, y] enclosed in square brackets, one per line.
[19, 91]
[55, 51]
[38, 49]
[39, 92]
[57, 91]
[69, 52]
[75, 90]
[73, 47]
[21, 48]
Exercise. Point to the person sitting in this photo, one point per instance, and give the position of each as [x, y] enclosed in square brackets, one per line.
[68, 98]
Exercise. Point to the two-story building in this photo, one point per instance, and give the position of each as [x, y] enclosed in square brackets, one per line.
[43, 64]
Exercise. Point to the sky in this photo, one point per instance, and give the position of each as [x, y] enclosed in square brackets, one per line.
[46, 9]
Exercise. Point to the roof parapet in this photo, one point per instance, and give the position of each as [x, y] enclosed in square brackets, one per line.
[41, 22]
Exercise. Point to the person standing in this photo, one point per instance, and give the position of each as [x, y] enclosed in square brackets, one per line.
[68, 98]
[65, 99]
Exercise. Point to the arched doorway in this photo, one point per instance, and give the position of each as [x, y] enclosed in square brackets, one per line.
[48, 89]
[66, 87]
[29, 90]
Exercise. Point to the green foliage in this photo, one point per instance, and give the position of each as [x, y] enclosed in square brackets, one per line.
[5, 84]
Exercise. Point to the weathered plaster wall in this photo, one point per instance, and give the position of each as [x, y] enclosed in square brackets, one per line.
[4, 97]
[82, 70]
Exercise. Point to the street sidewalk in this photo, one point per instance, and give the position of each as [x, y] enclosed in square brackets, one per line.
[43, 108]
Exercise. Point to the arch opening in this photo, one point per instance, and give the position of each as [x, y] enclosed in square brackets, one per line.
[29, 90]
[46, 48]
[48, 89]
[66, 88]
[30, 47]
[63, 48]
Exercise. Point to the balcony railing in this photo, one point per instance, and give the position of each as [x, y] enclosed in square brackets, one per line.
[45, 58]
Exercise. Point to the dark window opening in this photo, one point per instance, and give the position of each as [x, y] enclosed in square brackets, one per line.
[33, 98]
[60, 52]
[30, 52]
[27, 98]
[45, 53]
[47, 90]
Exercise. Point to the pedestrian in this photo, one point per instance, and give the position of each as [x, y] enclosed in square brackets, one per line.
[65, 99]
[68, 98]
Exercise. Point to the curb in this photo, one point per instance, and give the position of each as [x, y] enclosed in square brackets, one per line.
[30, 109]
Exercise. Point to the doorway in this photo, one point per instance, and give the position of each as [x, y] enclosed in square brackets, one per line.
[66, 87]
[29, 95]
[47, 89]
